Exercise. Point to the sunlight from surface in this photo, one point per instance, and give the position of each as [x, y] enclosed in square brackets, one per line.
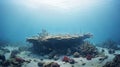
[65, 5]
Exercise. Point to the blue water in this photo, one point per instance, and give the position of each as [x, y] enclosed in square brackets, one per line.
[19, 21]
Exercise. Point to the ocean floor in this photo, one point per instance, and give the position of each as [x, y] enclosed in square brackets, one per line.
[94, 62]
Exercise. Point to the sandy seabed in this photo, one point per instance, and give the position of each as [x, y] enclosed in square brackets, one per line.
[88, 63]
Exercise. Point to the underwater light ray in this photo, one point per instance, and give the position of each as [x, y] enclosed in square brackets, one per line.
[68, 5]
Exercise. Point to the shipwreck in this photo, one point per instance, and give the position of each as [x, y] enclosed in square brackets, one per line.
[46, 43]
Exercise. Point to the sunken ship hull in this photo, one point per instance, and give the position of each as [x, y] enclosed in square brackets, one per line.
[46, 44]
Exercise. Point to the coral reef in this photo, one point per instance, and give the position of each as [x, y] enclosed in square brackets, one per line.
[87, 48]
[114, 63]
[18, 62]
[12, 62]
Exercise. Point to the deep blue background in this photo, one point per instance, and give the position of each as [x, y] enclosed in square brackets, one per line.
[17, 22]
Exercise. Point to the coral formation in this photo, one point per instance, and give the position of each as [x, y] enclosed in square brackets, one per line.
[2, 58]
[72, 61]
[56, 57]
[111, 51]
[76, 55]
[40, 64]
[103, 58]
[114, 63]
[13, 60]
[54, 64]
[14, 53]
[88, 48]
[88, 57]
[51, 64]
[66, 59]
[69, 60]
[110, 44]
